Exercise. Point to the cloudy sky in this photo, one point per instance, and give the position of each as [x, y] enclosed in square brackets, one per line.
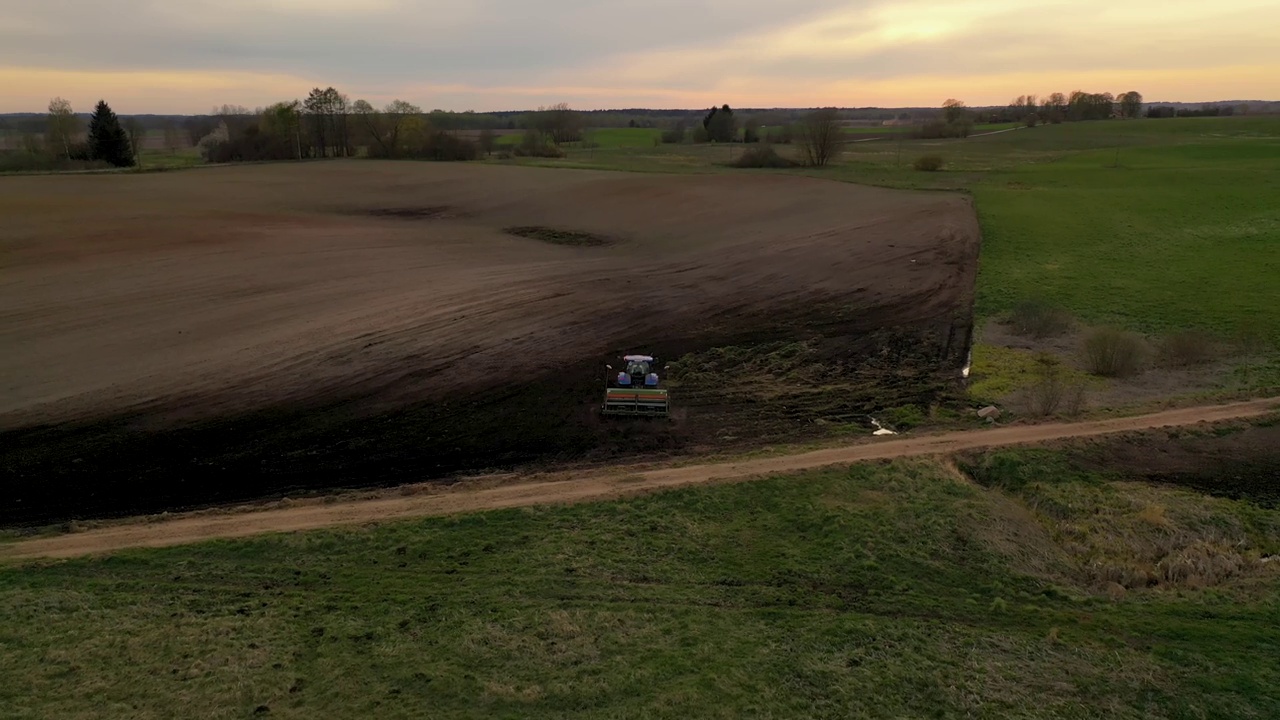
[186, 56]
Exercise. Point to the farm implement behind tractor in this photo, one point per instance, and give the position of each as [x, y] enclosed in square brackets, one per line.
[634, 390]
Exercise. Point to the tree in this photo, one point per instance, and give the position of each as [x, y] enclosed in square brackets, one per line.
[954, 111]
[327, 111]
[751, 131]
[720, 124]
[62, 124]
[282, 124]
[486, 141]
[107, 140]
[385, 127]
[819, 136]
[559, 123]
[1131, 104]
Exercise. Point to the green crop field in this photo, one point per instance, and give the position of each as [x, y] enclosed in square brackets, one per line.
[602, 138]
[895, 590]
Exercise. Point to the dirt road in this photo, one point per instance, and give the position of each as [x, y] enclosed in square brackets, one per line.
[617, 483]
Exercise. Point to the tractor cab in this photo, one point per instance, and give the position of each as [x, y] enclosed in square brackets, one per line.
[633, 389]
[637, 372]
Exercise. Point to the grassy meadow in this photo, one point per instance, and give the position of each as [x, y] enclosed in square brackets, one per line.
[889, 590]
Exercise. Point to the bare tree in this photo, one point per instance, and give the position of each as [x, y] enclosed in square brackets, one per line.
[137, 133]
[819, 136]
[173, 141]
[62, 123]
[954, 110]
[386, 127]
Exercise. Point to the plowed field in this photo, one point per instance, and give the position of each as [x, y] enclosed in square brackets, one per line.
[177, 339]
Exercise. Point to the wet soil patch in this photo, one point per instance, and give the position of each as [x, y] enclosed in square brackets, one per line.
[557, 236]
[432, 212]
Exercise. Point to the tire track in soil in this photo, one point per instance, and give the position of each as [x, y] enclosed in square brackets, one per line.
[591, 487]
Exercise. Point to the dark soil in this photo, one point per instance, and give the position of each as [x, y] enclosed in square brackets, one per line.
[163, 353]
[560, 237]
[1239, 462]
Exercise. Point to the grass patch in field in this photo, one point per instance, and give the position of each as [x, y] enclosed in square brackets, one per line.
[998, 372]
[884, 590]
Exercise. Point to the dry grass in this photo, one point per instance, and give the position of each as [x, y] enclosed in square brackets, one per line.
[1188, 348]
[1039, 319]
[1140, 536]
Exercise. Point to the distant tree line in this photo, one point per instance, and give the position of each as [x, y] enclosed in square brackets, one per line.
[69, 142]
[1206, 110]
[1078, 106]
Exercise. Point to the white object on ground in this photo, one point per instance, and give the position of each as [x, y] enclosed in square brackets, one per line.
[880, 429]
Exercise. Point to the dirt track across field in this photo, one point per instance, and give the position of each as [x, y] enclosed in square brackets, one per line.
[313, 514]
[179, 340]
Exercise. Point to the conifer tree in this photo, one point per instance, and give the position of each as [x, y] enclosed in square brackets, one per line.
[108, 141]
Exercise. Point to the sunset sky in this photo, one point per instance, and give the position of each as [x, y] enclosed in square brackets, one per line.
[186, 56]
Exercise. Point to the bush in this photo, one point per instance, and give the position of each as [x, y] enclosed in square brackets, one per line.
[674, 136]
[700, 135]
[23, 161]
[762, 156]
[929, 163]
[447, 147]
[778, 135]
[535, 144]
[939, 129]
[1188, 348]
[1039, 319]
[1115, 353]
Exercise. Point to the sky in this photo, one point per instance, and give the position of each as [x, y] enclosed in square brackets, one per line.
[188, 56]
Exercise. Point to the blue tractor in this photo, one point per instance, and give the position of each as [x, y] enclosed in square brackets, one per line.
[634, 390]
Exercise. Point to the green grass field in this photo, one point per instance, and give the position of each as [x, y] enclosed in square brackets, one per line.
[602, 138]
[892, 590]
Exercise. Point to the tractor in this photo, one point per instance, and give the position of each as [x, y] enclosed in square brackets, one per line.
[633, 390]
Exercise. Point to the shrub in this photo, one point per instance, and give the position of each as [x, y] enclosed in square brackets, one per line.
[762, 156]
[939, 129]
[1039, 319]
[1188, 348]
[674, 136]
[447, 147]
[1115, 353]
[1250, 338]
[929, 163]
[1053, 389]
[700, 135]
[535, 144]
[24, 161]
